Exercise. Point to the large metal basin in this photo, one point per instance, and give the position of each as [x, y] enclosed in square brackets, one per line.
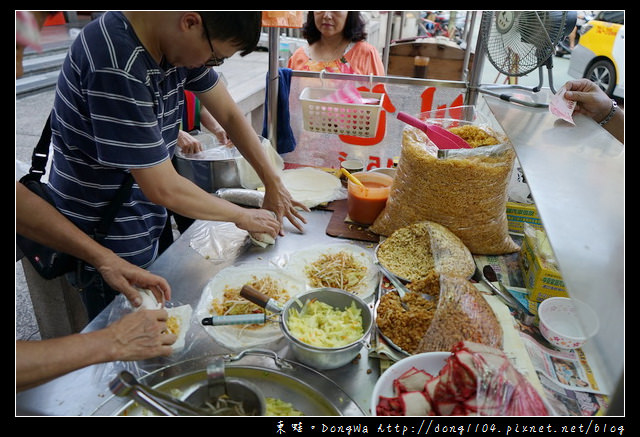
[307, 390]
[215, 167]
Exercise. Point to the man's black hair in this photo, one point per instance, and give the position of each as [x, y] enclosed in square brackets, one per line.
[241, 27]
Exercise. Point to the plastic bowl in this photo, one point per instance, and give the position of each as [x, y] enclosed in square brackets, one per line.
[560, 322]
[430, 362]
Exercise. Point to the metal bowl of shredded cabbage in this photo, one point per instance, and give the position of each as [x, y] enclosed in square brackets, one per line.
[326, 327]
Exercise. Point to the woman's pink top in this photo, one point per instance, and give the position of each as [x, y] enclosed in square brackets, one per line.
[358, 58]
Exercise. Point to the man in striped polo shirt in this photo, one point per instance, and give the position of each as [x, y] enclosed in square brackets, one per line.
[117, 110]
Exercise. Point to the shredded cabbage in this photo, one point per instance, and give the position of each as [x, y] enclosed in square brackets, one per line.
[319, 324]
[278, 407]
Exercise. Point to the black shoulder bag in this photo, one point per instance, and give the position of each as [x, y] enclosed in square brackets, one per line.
[50, 263]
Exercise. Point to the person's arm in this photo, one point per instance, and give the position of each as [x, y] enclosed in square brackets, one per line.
[162, 185]
[595, 103]
[136, 336]
[277, 198]
[615, 125]
[37, 220]
[212, 125]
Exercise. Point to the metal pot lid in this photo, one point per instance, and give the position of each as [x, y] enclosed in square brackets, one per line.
[307, 390]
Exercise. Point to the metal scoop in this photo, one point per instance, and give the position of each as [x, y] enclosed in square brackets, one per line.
[487, 277]
[237, 395]
[252, 295]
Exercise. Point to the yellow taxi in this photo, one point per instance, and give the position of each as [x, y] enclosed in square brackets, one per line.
[599, 54]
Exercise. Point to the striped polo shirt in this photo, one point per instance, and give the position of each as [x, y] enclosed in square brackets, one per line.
[116, 109]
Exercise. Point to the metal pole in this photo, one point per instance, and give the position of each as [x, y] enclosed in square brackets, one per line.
[273, 85]
[385, 52]
[469, 23]
[476, 67]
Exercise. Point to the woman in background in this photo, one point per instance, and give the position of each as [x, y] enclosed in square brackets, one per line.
[337, 44]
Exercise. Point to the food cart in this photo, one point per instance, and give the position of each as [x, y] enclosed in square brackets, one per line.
[575, 175]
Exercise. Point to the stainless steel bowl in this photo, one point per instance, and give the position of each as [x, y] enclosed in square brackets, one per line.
[325, 358]
[213, 168]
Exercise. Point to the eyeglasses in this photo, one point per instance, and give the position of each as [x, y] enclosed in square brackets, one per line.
[214, 61]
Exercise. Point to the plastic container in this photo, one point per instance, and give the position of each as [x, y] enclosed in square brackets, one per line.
[365, 203]
[560, 322]
[320, 115]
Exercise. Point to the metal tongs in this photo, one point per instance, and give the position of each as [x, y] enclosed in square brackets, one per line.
[125, 384]
[487, 276]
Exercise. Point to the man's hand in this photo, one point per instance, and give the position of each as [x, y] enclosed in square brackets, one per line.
[139, 335]
[124, 277]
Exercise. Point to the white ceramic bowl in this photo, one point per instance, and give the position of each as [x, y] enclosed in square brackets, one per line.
[430, 362]
[560, 322]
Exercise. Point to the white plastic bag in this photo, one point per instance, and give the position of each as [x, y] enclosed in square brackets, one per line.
[248, 176]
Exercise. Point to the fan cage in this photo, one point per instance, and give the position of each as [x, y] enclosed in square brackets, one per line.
[518, 42]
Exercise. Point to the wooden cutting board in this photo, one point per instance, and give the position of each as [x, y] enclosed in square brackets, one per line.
[339, 227]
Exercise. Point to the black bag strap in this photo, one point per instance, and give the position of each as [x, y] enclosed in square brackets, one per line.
[39, 159]
[122, 194]
[40, 154]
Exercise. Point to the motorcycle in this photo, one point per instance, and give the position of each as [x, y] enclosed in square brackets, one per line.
[565, 47]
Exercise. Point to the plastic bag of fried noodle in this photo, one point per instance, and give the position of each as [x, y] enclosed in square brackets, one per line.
[466, 192]
[462, 314]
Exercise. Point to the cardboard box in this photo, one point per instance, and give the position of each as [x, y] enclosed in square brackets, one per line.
[446, 58]
[542, 279]
[520, 213]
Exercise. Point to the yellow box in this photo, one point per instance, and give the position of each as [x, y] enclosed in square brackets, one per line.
[520, 213]
[542, 279]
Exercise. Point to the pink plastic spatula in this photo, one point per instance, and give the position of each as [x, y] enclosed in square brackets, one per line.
[441, 137]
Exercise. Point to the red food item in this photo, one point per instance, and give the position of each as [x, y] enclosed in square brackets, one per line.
[475, 380]
[411, 380]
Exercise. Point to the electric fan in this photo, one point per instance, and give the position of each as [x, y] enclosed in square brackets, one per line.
[518, 42]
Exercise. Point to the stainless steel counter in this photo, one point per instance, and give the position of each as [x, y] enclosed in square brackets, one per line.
[576, 177]
[81, 392]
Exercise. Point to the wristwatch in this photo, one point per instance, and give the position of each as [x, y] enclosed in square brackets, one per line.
[614, 108]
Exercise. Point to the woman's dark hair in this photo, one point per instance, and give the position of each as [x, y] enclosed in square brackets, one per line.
[241, 27]
[354, 28]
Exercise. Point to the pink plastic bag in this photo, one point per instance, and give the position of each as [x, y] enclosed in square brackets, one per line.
[346, 94]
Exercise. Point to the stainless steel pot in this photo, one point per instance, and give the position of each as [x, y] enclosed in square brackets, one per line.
[213, 168]
[323, 358]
